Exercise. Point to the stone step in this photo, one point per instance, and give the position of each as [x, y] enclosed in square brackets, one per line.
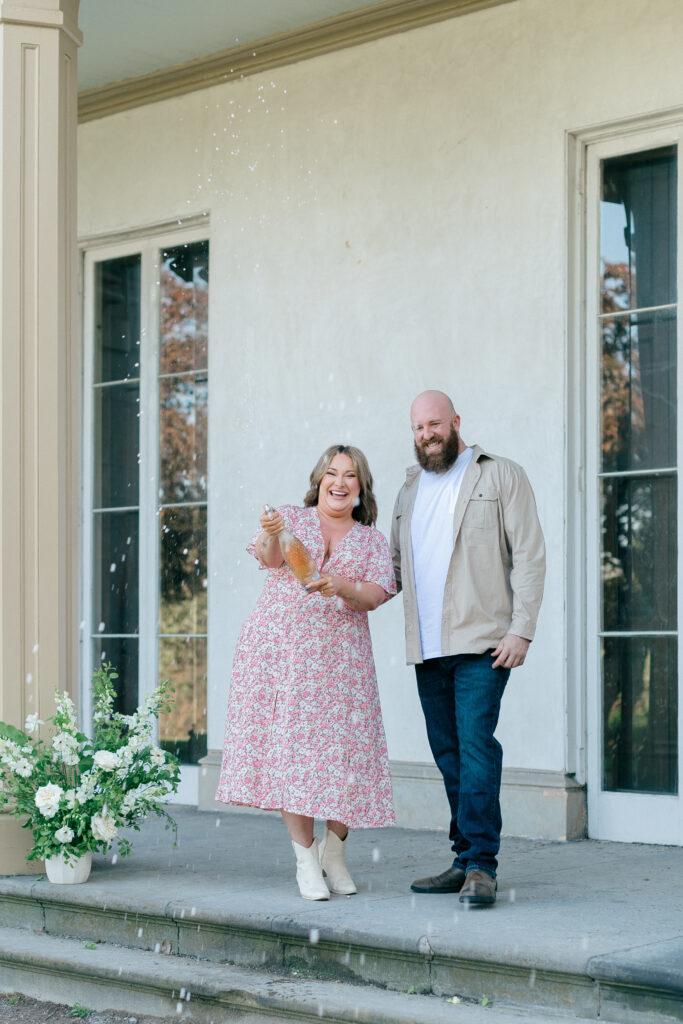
[102, 976]
[622, 988]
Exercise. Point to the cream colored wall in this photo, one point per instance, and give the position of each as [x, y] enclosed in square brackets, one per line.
[385, 219]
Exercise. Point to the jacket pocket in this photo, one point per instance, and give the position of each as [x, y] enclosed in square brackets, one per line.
[482, 511]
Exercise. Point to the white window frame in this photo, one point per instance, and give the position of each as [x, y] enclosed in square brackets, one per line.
[617, 816]
[149, 244]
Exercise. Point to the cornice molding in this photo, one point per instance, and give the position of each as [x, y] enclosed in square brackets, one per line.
[321, 37]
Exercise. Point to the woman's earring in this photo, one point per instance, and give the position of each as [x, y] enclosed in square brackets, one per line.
[356, 502]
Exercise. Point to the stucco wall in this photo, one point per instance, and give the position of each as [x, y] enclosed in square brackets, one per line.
[385, 219]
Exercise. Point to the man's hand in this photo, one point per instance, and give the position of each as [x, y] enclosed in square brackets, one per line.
[510, 652]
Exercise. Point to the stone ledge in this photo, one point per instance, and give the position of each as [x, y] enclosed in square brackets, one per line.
[536, 804]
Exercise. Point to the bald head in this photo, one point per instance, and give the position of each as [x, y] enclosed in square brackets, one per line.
[429, 403]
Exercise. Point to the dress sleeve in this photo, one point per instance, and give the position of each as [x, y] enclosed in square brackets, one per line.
[378, 568]
[287, 512]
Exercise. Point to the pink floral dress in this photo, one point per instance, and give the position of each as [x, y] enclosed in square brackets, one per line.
[304, 730]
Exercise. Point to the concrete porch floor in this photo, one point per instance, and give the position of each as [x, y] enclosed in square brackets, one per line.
[587, 929]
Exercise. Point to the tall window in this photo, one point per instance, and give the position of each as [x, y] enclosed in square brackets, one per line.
[146, 578]
[637, 472]
[116, 485]
[183, 399]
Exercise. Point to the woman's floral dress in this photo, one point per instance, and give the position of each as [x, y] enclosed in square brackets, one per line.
[304, 730]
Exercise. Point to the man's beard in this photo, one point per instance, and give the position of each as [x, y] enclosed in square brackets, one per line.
[439, 462]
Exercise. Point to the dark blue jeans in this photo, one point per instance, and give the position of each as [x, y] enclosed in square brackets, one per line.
[460, 696]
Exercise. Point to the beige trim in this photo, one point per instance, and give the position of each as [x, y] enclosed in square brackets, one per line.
[194, 221]
[337, 33]
[61, 14]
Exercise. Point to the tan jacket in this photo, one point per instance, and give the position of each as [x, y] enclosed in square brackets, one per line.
[495, 579]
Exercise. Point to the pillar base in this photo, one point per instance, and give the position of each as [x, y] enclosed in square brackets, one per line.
[535, 804]
[15, 843]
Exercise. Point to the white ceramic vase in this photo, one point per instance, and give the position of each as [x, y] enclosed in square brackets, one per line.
[72, 873]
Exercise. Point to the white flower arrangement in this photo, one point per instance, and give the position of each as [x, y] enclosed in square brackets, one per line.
[76, 793]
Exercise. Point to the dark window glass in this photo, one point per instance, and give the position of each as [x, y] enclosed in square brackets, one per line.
[639, 483]
[115, 597]
[182, 606]
[639, 553]
[122, 653]
[640, 711]
[115, 586]
[638, 230]
[117, 445]
[117, 319]
[638, 404]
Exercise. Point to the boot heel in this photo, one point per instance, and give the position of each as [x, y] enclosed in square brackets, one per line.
[332, 862]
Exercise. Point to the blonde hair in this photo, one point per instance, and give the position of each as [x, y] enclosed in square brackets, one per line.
[366, 510]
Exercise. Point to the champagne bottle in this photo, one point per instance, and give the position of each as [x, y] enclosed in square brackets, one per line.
[295, 554]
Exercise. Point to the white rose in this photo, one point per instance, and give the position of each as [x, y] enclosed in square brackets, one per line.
[64, 834]
[23, 768]
[47, 799]
[32, 722]
[106, 760]
[103, 827]
[157, 756]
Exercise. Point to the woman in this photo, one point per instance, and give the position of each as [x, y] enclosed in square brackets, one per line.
[304, 734]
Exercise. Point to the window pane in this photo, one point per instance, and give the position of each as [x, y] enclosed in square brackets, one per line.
[117, 443]
[117, 319]
[640, 712]
[639, 553]
[122, 652]
[638, 403]
[184, 308]
[183, 580]
[638, 230]
[183, 729]
[184, 406]
[115, 572]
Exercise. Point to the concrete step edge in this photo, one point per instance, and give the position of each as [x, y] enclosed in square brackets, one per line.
[284, 944]
[111, 977]
[348, 955]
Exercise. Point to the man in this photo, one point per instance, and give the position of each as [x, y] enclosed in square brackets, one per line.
[469, 556]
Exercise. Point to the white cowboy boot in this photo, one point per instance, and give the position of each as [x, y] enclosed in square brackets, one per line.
[332, 863]
[309, 873]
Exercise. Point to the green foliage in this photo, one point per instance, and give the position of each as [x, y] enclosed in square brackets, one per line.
[80, 1011]
[90, 945]
[74, 793]
[13, 1000]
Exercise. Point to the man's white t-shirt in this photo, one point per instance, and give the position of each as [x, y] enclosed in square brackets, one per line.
[431, 533]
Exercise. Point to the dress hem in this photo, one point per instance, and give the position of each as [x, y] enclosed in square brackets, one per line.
[385, 822]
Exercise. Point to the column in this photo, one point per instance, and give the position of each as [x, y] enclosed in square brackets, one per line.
[39, 374]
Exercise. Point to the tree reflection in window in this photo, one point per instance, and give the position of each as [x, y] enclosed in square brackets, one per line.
[638, 485]
[183, 398]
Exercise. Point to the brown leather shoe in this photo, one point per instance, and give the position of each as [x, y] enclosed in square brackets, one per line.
[450, 880]
[479, 889]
